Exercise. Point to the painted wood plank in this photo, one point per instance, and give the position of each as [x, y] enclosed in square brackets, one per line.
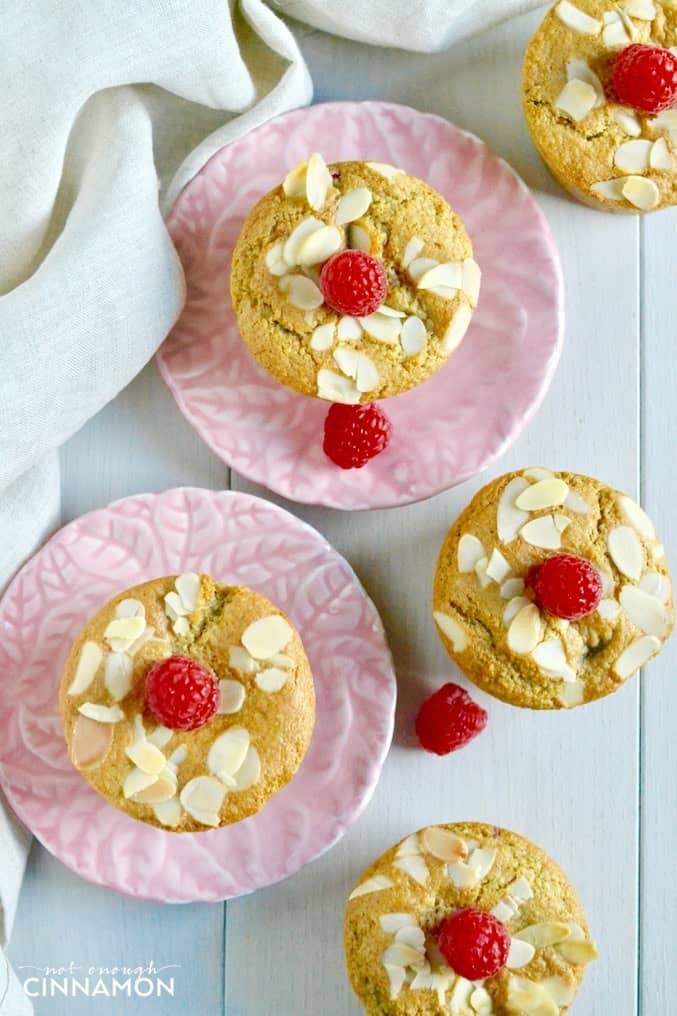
[559, 779]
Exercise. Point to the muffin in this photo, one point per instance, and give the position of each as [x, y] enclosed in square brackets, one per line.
[600, 98]
[187, 704]
[465, 919]
[552, 589]
[353, 282]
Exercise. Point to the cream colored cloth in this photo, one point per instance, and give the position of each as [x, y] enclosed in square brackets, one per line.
[107, 111]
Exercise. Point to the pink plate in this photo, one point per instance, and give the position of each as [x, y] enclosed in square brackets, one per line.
[237, 539]
[446, 430]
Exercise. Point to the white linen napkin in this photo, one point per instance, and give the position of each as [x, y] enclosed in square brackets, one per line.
[107, 112]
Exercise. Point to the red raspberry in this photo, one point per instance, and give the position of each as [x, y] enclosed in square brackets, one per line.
[181, 694]
[645, 77]
[355, 434]
[474, 943]
[353, 282]
[566, 585]
[448, 720]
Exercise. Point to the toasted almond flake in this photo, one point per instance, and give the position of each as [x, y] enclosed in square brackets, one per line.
[574, 17]
[666, 120]
[633, 156]
[305, 229]
[349, 329]
[470, 551]
[409, 847]
[483, 860]
[168, 813]
[509, 518]
[121, 632]
[576, 99]
[130, 608]
[636, 655]
[643, 10]
[233, 695]
[382, 327]
[228, 752]
[526, 630]
[89, 662]
[481, 1003]
[642, 193]
[90, 742]
[520, 954]
[450, 627]
[319, 246]
[323, 337]
[391, 311]
[449, 275]
[352, 205]
[656, 585]
[396, 978]
[456, 330]
[530, 998]
[272, 679]
[544, 532]
[301, 291]
[544, 494]
[413, 336]
[358, 366]
[444, 845]
[249, 772]
[384, 169]
[637, 517]
[627, 120]
[413, 937]
[419, 266]
[146, 757]
[498, 568]
[608, 609]
[412, 251]
[505, 910]
[335, 388]
[163, 789]
[580, 70]
[136, 782]
[181, 627]
[174, 606]
[481, 572]
[577, 953]
[521, 890]
[561, 992]
[575, 503]
[267, 636]
[512, 588]
[188, 588]
[178, 757]
[294, 184]
[372, 885]
[239, 659]
[626, 552]
[463, 875]
[358, 238]
[471, 280]
[645, 611]
[160, 736]
[544, 934]
[612, 190]
[460, 997]
[661, 157]
[423, 979]
[318, 182]
[202, 797]
[513, 608]
[102, 714]
[275, 262]
[551, 658]
[118, 675]
[571, 694]
[615, 33]
[415, 867]
[391, 923]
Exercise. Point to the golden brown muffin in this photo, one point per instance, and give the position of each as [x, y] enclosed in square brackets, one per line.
[188, 780]
[485, 614]
[607, 155]
[433, 281]
[394, 913]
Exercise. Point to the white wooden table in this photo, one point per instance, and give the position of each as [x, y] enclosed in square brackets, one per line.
[596, 787]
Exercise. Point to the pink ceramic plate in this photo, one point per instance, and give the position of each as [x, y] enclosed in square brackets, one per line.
[445, 430]
[237, 539]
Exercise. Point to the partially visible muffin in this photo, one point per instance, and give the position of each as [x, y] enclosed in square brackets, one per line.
[419, 270]
[186, 703]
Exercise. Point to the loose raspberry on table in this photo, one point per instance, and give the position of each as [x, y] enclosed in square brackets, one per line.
[645, 77]
[353, 282]
[474, 943]
[355, 434]
[181, 694]
[566, 586]
[448, 720]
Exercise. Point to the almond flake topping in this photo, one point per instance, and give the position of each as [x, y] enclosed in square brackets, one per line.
[626, 552]
[323, 337]
[275, 262]
[227, 754]
[618, 30]
[633, 156]
[233, 695]
[456, 330]
[382, 327]
[637, 517]
[415, 867]
[545, 532]
[358, 238]
[656, 585]
[272, 679]
[89, 662]
[643, 10]
[319, 246]
[470, 551]
[627, 120]
[412, 251]
[512, 588]
[122, 632]
[349, 329]
[373, 885]
[510, 519]
[335, 388]
[444, 845]
[392, 923]
[471, 280]
[642, 193]
[544, 494]
[645, 611]
[90, 742]
[576, 99]
[450, 627]
[359, 367]
[267, 636]
[660, 157]
[294, 184]
[497, 568]
[306, 228]
[318, 182]
[147, 757]
[467, 874]
[301, 291]
[636, 655]
[202, 797]
[526, 630]
[580, 70]
[413, 336]
[551, 658]
[442, 278]
[168, 813]
[384, 169]
[573, 17]
[352, 205]
[520, 954]
[102, 714]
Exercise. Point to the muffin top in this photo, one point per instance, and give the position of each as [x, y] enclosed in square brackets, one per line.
[227, 768]
[615, 155]
[486, 591]
[394, 916]
[316, 214]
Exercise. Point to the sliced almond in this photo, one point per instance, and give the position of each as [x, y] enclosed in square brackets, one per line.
[174, 606]
[660, 157]
[90, 742]
[520, 954]
[636, 655]
[275, 262]
[392, 923]
[505, 910]
[470, 551]
[545, 494]
[450, 627]
[415, 867]
[88, 664]
[181, 627]
[575, 503]
[642, 193]
[513, 607]
[521, 890]
[413, 335]
[305, 229]
[352, 205]
[449, 275]
[202, 797]
[137, 781]
[249, 772]
[544, 934]
[319, 246]
[412, 936]
[550, 656]
[561, 991]
[545, 532]
[323, 337]
[608, 609]
[294, 184]
[576, 99]
[130, 608]
[178, 757]
[228, 752]
[102, 714]
[271, 679]
[498, 567]
[571, 694]
[643, 10]
[396, 978]
[318, 182]
[633, 156]
[463, 875]
[637, 517]
[419, 266]
[409, 847]
[577, 953]
[573, 17]
[163, 789]
[121, 632]
[267, 636]
[384, 169]
[626, 552]
[481, 572]
[666, 120]
[444, 845]
[471, 280]
[399, 954]
[526, 630]
[645, 611]
[382, 327]
[233, 695]
[656, 585]
[349, 329]
[512, 588]
[580, 70]
[615, 32]
[627, 120]
[483, 860]
[301, 291]
[481, 1002]
[335, 388]
[358, 238]
[611, 190]
[456, 330]
[146, 757]
[188, 588]
[412, 251]
[168, 813]
[529, 998]
[358, 366]
[372, 885]
[240, 659]
[118, 675]
[509, 518]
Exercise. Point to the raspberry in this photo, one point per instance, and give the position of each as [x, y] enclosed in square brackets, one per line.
[566, 585]
[353, 282]
[448, 720]
[645, 77]
[474, 943]
[355, 434]
[181, 694]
